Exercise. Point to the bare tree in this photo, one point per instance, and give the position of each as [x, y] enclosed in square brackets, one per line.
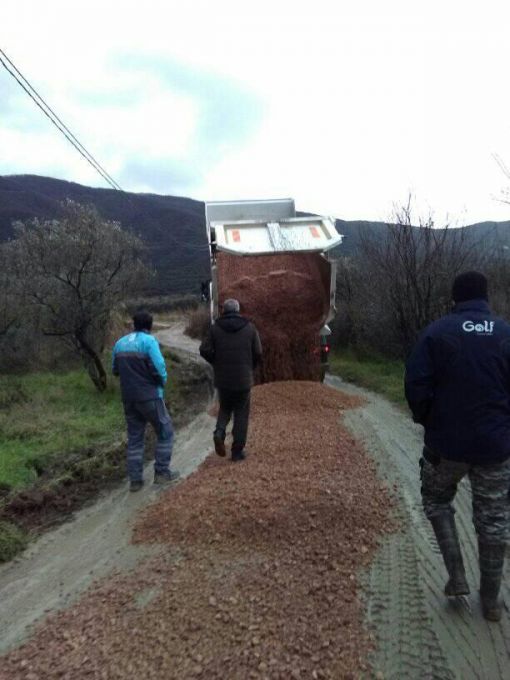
[402, 278]
[498, 273]
[76, 270]
[8, 307]
[505, 192]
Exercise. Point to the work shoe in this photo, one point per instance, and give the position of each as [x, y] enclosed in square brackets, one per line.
[166, 477]
[136, 484]
[492, 558]
[448, 542]
[239, 455]
[219, 444]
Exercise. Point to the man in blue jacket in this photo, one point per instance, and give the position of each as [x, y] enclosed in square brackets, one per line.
[138, 361]
[458, 387]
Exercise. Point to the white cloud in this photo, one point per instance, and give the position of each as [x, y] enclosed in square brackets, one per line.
[361, 101]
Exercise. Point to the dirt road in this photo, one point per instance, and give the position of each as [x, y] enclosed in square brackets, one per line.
[420, 633]
[258, 574]
[58, 567]
[174, 337]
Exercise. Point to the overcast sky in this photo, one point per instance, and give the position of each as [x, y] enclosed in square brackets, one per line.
[345, 106]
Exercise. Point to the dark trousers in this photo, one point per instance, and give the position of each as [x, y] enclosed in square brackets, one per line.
[236, 403]
[138, 414]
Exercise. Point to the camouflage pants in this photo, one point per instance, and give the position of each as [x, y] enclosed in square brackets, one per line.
[490, 488]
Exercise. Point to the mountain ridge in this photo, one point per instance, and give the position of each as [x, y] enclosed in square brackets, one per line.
[172, 227]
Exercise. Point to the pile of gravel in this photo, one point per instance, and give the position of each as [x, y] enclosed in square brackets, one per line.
[259, 572]
[287, 297]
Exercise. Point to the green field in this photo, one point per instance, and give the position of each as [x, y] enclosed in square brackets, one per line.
[380, 375]
[44, 415]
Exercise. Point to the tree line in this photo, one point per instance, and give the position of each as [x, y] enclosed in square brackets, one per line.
[61, 282]
[400, 280]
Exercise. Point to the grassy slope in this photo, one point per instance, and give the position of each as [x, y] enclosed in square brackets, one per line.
[44, 415]
[59, 425]
[379, 375]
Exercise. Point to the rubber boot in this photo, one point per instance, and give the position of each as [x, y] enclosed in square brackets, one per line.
[492, 558]
[448, 542]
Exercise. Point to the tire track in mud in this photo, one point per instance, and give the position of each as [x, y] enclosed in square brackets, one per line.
[420, 633]
[396, 607]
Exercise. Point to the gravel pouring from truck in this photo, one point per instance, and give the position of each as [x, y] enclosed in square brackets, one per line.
[278, 266]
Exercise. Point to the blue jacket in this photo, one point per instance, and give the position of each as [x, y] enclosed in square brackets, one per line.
[458, 385]
[138, 361]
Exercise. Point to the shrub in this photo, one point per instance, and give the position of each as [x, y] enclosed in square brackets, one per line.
[199, 322]
[164, 303]
[12, 540]
[11, 392]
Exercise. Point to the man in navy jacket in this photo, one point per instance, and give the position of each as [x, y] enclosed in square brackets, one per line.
[458, 387]
[138, 361]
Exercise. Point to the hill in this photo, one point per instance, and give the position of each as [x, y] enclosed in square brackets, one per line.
[484, 235]
[172, 227]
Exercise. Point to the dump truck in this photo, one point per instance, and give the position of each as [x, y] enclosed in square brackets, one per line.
[278, 266]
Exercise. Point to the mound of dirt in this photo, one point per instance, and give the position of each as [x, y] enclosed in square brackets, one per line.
[258, 578]
[287, 298]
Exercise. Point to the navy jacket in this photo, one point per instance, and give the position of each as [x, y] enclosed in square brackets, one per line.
[233, 347]
[138, 361]
[458, 385]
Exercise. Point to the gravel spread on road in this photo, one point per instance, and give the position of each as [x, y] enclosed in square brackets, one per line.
[259, 572]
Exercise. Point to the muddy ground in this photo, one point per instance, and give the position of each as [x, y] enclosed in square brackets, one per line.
[175, 338]
[69, 482]
[56, 569]
[417, 633]
[420, 633]
[258, 571]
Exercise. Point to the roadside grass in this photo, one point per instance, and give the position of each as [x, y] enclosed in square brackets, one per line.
[12, 540]
[61, 441]
[48, 415]
[378, 374]
[164, 304]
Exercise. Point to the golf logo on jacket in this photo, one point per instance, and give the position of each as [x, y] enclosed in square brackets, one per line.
[485, 328]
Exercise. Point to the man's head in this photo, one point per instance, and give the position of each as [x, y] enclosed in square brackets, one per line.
[469, 286]
[142, 320]
[231, 307]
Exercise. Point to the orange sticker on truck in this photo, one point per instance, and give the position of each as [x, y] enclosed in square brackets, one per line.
[236, 235]
[315, 232]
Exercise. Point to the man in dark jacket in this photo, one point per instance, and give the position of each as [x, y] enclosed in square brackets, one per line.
[458, 387]
[138, 361]
[233, 348]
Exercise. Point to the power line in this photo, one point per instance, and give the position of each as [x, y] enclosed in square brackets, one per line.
[501, 164]
[57, 122]
[12, 69]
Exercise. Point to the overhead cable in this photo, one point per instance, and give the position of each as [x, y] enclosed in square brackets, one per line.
[53, 117]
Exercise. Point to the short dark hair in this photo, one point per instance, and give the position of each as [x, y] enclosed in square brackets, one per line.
[470, 286]
[142, 320]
